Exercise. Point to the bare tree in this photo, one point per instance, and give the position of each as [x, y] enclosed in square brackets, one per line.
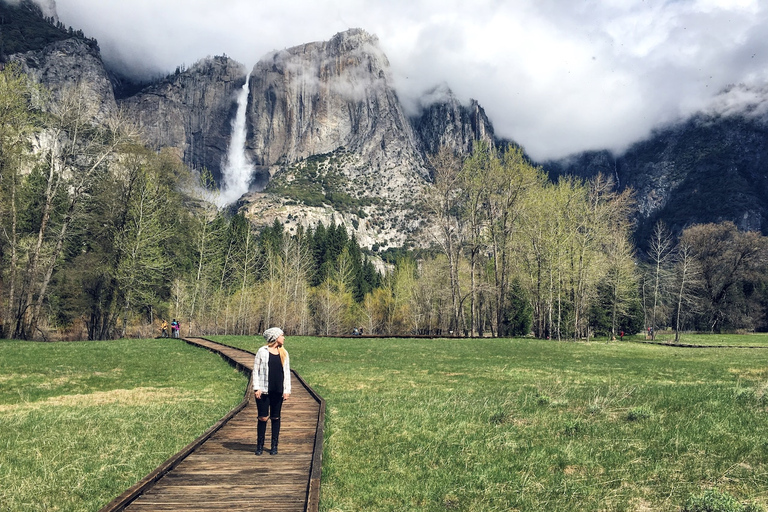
[476, 223]
[16, 126]
[443, 200]
[205, 233]
[295, 268]
[688, 280]
[660, 252]
[78, 156]
[508, 178]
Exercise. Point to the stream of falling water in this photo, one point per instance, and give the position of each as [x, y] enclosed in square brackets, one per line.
[237, 169]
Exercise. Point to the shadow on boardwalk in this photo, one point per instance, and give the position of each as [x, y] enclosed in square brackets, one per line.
[219, 470]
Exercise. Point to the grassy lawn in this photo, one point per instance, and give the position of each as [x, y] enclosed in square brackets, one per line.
[755, 340]
[81, 422]
[484, 425]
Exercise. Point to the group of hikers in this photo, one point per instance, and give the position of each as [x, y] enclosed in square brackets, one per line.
[175, 328]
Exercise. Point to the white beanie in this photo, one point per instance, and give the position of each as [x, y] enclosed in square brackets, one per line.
[272, 334]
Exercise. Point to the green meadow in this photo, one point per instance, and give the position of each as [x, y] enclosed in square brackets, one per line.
[81, 422]
[728, 340]
[411, 424]
[498, 424]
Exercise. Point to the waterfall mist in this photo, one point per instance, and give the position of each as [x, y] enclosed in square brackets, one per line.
[237, 169]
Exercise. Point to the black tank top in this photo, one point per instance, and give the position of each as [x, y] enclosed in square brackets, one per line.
[275, 374]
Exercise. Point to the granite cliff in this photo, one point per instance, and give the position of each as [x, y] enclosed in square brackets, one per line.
[325, 132]
[67, 63]
[325, 120]
[445, 122]
[190, 111]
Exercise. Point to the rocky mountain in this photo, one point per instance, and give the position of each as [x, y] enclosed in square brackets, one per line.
[68, 63]
[444, 121]
[318, 97]
[191, 111]
[32, 36]
[332, 98]
[324, 128]
[330, 140]
[709, 168]
[325, 119]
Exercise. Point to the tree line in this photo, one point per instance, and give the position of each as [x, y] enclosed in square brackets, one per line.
[102, 238]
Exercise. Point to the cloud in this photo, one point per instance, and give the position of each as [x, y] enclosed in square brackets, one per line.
[557, 77]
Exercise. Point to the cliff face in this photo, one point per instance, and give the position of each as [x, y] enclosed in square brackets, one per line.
[445, 122]
[191, 111]
[68, 63]
[328, 96]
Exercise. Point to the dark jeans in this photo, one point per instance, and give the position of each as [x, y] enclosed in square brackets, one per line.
[270, 403]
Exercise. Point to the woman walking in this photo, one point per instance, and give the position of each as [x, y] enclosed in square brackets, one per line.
[271, 385]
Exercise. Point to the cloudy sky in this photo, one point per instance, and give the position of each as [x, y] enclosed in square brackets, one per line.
[557, 76]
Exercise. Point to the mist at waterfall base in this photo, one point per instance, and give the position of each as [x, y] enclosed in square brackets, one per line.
[237, 169]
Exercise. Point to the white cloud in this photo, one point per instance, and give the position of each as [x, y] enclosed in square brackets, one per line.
[555, 76]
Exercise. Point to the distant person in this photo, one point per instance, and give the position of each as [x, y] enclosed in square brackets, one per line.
[355, 332]
[175, 328]
[164, 329]
[271, 386]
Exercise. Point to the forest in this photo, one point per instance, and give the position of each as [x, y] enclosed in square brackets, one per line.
[101, 238]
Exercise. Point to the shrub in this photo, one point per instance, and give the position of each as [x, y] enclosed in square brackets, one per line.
[572, 428]
[498, 417]
[638, 413]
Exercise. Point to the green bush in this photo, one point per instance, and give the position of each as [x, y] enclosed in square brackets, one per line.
[638, 413]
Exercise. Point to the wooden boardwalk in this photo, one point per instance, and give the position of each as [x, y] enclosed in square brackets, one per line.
[219, 470]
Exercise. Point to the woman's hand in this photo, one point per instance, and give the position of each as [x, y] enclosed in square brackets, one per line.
[258, 394]
[286, 395]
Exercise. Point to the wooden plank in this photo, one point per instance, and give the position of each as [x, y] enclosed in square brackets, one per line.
[219, 470]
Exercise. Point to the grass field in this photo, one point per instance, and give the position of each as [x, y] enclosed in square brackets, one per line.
[728, 340]
[423, 425]
[81, 422]
[486, 425]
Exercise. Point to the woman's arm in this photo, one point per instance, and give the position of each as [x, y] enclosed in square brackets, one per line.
[287, 377]
[259, 370]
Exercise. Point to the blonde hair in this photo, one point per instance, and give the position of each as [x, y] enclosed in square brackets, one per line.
[280, 350]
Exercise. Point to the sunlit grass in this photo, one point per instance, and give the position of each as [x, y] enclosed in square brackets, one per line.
[493, 424]
[82, 422]
[730, 340]
[411, 424]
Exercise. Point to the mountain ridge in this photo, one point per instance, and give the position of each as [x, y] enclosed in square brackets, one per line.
[709, 168]
[326, 128]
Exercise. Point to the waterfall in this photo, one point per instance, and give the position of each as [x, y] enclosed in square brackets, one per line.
[237, 169]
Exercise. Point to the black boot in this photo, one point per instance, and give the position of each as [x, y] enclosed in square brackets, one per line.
[261, 430]
[275, 436]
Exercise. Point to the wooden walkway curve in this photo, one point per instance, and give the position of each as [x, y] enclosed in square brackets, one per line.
[219, 470]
